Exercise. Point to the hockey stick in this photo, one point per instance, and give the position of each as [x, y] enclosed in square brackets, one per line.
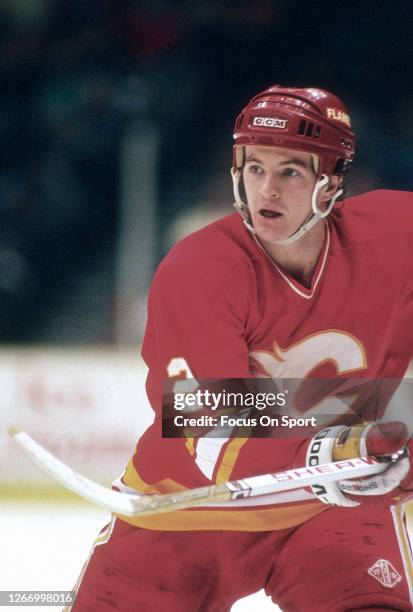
[140, 505]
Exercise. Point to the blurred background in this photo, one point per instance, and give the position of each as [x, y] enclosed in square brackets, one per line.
[116, 129]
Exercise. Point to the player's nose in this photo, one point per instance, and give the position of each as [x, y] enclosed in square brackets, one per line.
[270, 188]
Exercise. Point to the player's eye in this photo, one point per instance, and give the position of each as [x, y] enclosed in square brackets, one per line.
[290, 172]
[255, 169]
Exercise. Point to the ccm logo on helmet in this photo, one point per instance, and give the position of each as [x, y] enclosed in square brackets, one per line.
[272, 122]
[338, 115]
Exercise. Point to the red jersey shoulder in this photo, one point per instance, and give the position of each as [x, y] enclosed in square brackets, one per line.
[380, 214]
[210, 254]
[226, 239]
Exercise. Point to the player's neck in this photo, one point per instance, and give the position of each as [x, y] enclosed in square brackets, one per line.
[299, 259]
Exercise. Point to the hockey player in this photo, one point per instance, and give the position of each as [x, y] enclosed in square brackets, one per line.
[298, 284]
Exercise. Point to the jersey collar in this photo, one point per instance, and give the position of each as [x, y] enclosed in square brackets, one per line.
[304, 292]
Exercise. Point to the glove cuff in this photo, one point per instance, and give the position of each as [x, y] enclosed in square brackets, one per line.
[351, 442]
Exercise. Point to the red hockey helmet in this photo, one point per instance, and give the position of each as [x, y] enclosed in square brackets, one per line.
[309, 119]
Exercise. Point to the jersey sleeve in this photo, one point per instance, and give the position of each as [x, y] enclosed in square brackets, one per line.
[196, 314]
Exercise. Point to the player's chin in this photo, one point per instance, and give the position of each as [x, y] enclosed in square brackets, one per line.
[266, 234]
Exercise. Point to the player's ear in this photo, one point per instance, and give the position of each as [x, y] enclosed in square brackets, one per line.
[333, 185]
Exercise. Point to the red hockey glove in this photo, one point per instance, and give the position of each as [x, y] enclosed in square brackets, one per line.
[387, 440]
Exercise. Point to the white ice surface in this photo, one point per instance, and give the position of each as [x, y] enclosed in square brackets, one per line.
[44, 545]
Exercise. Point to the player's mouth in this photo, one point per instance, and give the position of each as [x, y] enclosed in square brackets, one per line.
[267, 213]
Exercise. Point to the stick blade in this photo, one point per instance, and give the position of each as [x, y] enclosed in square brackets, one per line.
[119, 503]
[97, 494]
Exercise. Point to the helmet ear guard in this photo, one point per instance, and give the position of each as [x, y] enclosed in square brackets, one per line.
[311, 120]
[316, 213]
[239, 204]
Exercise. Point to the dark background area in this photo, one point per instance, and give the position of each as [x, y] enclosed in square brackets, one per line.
[76, 73]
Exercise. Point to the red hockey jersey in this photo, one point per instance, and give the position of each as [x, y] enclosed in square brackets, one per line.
[219, 307]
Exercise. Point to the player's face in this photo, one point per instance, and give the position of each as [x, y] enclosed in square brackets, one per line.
[278, 185]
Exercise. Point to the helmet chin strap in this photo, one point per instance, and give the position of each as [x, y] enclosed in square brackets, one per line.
[315, 215]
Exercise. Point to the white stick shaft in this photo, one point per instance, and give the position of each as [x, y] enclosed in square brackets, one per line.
[136, 505]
